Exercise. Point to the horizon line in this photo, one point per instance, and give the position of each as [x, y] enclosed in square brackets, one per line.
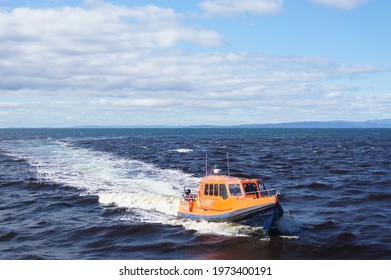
[377, 123]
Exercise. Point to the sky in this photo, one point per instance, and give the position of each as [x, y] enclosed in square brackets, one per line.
[193, 62]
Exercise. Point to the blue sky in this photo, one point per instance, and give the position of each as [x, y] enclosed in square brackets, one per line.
[69, 63]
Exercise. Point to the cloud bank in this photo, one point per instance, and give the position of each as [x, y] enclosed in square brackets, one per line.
[110, 65]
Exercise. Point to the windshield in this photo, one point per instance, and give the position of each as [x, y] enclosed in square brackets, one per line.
[234, 189]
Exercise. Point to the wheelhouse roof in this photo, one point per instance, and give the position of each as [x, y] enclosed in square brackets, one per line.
[224, 179]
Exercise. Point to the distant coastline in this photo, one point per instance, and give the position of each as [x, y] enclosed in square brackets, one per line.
[385, 123]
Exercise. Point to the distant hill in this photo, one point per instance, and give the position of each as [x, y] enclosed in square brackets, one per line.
[385, 123]
[330, 124]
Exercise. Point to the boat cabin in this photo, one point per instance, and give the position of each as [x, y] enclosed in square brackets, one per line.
[221, 187]
[225, 186]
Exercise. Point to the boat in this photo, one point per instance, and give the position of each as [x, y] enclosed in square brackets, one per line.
[224, 198]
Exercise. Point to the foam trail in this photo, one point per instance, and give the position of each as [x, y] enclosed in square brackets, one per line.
[97, 172]
[100, 173]
[226, 229]
[167, 204]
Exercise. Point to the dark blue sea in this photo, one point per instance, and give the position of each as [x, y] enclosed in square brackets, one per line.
[113, 193]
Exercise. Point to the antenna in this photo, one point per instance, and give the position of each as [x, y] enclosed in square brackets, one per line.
[228, 164]
[206, 163]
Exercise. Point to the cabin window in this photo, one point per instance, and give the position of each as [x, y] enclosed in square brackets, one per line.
[223, 191]
[210, 189]
[206, 190]
[234, 189]
[250, 188]
[216, 190]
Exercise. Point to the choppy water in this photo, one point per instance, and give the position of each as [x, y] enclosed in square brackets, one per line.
[113, 193]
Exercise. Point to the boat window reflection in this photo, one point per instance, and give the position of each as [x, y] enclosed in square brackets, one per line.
[211, 189]
[223, 191]
[216, 190]
[234, 189]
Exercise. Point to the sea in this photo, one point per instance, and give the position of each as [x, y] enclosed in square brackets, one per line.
[113, 194]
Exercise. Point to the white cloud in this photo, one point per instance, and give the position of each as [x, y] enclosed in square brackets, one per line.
[342, 4]
[233, 7]
[102, 28]
[129, 103]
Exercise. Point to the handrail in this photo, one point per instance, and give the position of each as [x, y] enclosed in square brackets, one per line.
[271, 192]
[264, 193]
